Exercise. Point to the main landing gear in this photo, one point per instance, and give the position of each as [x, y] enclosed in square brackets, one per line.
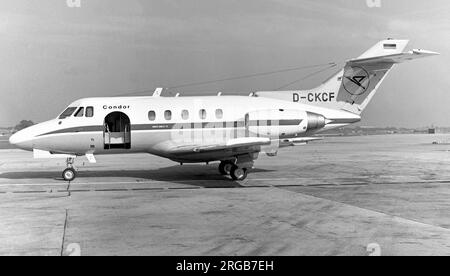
[236, 171]
[225, 167]
[69, 174]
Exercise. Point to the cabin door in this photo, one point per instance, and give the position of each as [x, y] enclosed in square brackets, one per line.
[117, 131]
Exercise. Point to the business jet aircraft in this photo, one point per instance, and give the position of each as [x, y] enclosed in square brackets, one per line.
[229, 129]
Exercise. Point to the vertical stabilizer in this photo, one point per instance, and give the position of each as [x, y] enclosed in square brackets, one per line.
[353, 87]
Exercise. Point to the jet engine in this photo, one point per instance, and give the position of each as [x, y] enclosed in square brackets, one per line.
[276, 122]
[315, 121]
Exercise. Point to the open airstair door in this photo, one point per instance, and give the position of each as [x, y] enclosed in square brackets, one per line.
[117, 131]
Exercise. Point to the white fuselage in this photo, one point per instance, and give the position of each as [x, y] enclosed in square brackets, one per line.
[157, 125]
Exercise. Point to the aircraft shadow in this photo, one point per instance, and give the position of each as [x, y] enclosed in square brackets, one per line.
[195, 175]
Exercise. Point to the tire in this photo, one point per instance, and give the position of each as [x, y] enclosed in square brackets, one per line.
[238, 174]
[69, 174]
[225, 167]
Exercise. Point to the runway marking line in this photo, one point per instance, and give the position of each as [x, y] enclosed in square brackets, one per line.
[111, 190]
[228, 181]
[29, 192]
[64, 232]
[373, 210]
[183, 188]
[190, 188]
[74, 191]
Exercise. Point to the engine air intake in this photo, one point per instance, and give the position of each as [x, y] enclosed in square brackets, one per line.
[315, 121]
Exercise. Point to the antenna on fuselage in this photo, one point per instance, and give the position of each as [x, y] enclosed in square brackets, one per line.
[177, 95]
[219, 94]
[158, 92]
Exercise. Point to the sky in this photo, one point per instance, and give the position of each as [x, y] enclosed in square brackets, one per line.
[52, 54]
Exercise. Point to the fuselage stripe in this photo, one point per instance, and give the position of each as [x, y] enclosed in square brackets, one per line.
[201, 125]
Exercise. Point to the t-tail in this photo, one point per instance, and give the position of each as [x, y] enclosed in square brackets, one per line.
[354, 86]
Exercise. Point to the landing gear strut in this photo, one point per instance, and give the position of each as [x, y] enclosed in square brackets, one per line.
[69, 174]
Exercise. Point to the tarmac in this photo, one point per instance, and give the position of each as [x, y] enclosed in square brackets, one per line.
[332, 197]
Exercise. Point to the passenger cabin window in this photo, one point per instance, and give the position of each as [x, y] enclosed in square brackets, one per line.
[67, 113]
[152, 115]
[168, 115]
[89, 111]
[219, 113]
[185, 114]
[80, 112]
[202, 114]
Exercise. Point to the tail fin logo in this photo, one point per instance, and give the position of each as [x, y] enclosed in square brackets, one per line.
[356, 80]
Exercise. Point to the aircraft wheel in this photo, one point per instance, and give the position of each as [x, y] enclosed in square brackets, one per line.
[225, 167]
[69, 174]
[238, 173]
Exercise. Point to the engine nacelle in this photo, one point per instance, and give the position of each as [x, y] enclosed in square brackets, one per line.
[315, 121]
[276, 122]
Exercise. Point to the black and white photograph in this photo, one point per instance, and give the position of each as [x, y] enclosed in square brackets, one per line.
[242, 131]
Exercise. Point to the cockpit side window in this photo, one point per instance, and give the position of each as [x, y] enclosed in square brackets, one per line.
[89, 111]
[67, 113]
[80, 112]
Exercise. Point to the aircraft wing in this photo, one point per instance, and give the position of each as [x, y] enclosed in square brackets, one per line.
[230, 144]
[297, 141]
[283, 143]
[392, 59]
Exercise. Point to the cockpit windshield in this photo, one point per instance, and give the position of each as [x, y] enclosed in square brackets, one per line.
[67, 113]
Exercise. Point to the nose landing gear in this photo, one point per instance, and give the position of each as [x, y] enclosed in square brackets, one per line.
[69, 174]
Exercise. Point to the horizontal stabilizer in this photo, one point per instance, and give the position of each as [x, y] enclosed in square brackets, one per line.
[392, 59]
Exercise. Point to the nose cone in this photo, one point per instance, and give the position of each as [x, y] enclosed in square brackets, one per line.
[22, 139]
